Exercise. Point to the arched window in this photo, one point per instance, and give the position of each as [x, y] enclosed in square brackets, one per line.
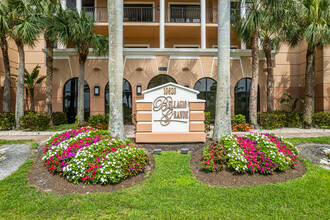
[160, 80]
[207, 88]
[70, 99]
[127, 101]
[242, 97]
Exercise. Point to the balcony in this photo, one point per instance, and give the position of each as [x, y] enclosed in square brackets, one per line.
[151, 14]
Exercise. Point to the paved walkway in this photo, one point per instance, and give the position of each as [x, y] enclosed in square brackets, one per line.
[14, 156]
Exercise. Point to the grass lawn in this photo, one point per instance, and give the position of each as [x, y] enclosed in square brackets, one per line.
[3, 141]
[173, 192]
[323, 140]
[61, 127]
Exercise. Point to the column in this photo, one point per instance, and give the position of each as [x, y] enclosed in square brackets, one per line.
[162, 24]
[203, 24]
[78, 5]
[243, 14]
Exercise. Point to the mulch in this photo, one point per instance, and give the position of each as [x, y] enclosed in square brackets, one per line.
[229, 178]
[45, 181]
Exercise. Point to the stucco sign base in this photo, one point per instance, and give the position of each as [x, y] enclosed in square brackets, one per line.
[170, 113]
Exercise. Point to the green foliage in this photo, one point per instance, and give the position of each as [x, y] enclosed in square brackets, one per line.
[271, 120]
[290, 103]
[35, 122]
[7, 121]
[4, 141]
[99, 119]
[207, 122]
[293, 119]
[238, 119]
[321, 120]
[96, 126]
[58, 118]
[62, 127]
[214, 157]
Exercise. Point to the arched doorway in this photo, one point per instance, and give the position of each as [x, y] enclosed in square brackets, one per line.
[160, 80]
[127, 101]
[242, 97]
[70, 99]
[207, 88]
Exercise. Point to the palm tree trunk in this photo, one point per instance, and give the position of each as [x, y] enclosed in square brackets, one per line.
[49, 77]
[32, 99]
[27, 99]
[222, 124]
[254, 84]
[270, 75]
[309, 87]
[19, 108]
[81, 81]
[6, 89]
[115, 18]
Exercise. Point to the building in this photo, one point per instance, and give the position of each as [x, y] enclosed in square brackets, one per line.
[170, 41]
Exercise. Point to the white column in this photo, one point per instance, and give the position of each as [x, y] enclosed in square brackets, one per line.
[78, 5]
[203, 24]
[63, 3]
[162, 24]
[243, 14]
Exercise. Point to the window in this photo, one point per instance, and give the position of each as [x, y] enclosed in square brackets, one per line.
[184, 13]
[138, 12]
[207, 88]
[70, 99]
[242, 97]
[71, 4]
[136, 46]
[160, 80]
[127, 101]
[186, 46]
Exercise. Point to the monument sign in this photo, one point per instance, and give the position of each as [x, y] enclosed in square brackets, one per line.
[170, 113]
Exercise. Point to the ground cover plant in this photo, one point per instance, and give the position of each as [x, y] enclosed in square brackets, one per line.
[93, 156]
[253, 153]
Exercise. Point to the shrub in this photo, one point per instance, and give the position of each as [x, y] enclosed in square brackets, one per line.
[240, 127]
[7, 121]
[321, 120]
[207, 116]
[35, 122]
[238, 119]
[261, 153]
[292, 119]
[96, 126]
[213, 157]
[272, 120]
[59, 118]
[94, 157]
[99, 119]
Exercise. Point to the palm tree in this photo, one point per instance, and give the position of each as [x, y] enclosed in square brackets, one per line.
[30, 81]
[80, 33]
[115, 18]
[222, 124]
[312, 25]
[51, 12]
[24, 30]
[4, 29]
[248, 29]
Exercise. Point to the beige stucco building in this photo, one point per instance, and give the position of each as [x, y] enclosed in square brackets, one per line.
[170, 41]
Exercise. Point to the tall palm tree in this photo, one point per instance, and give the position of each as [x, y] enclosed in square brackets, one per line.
[222, 124]
[115, 18]
[248, 29]
[24, 30]
[81, 35]
[51, 13]
[4, 30]
[312, 25]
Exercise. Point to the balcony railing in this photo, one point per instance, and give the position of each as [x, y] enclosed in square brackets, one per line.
[151, 14]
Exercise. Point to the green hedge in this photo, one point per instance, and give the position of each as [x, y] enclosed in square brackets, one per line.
[7, 121]
[99, 119]
[35, 122]
[321, 120]
[238, 119]
[59, 118]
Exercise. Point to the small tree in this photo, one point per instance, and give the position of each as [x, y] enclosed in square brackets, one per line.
[30, 81]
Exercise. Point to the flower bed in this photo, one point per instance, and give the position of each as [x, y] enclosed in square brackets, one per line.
[93, 156]
[253, 153]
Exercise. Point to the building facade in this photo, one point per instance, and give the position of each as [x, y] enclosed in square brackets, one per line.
[170, 41]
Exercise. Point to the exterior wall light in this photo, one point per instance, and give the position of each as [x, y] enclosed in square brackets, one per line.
[96, 90]
[97, 68]
[185, 69]
[138, 89]
[157, 151]
[184, 151]
[138, 69]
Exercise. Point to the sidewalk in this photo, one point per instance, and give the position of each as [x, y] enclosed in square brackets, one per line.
[130, 133]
